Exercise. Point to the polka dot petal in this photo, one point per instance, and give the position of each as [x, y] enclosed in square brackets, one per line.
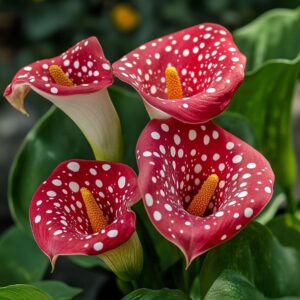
[240, 196]
[204, 61]
[58, 216]
[84, 63]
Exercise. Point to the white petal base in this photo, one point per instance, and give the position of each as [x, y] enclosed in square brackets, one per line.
[96, 117]
[155, 113]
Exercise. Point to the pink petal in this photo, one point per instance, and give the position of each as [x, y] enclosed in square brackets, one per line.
[84, 63]
[174, 159]
[58, 217]
[208, 61]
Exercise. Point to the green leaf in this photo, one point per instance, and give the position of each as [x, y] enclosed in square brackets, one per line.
[147, 294]
[58, 290]
[234, 286]
[272, 46]
[23, 292]
[230, 286]
[238, 125]
[287, 229]
[270, 38]
[21, 260]
[256, 254]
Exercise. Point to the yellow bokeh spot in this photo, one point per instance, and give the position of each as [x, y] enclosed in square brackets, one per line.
[125, 17]
[173, 84]
[94, 212]
[201, 200]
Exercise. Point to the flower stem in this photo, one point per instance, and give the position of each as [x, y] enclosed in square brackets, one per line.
[185, 277]
[134, 285]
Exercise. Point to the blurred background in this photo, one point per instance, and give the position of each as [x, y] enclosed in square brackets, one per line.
[35, 29]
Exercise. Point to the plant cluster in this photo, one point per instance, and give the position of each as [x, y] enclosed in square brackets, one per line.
[200, 172]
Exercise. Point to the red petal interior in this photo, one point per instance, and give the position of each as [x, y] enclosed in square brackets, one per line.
[58, 216]
[174, 159]
[209, 64]
[84, 63]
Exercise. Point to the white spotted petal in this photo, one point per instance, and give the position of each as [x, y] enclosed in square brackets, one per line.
[87, 102]
[210, 66]
[170, 180]
[57, 213]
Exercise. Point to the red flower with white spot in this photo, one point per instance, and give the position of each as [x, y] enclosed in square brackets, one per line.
[200, 184]
[84, 208]
[190, 75]
[76, 82]
[82, 69]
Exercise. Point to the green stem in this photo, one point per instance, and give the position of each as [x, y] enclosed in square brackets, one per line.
[185, 277]
[124, 286]
[134, 285]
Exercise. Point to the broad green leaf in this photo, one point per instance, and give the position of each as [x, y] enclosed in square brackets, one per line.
[238, 125]
[147, 294]
[265, 99]
[272, 268]
[23, 292]
[56, 138]
[270, 38]
[234, 286]
[21, 259]
[272, 46]
[58, 290]
[287, 229]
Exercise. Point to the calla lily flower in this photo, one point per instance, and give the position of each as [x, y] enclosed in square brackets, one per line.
[76, 82]
[84, 208]
[190, 75]
[200, 184]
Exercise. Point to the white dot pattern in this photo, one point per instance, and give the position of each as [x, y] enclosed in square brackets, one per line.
[84, 63]
[170, 181]
[58, 214]
[206, 63]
